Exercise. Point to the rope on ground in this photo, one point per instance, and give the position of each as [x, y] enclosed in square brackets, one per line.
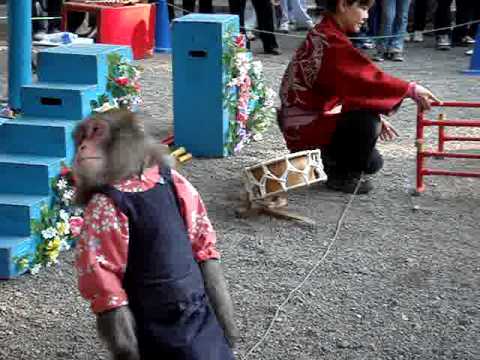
[314, 268]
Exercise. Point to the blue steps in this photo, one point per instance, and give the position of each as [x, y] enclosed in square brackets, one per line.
[52, 137]
[33, 147]
[13, 248]
[16, 211]
[28, 174]
[59, 64]
[57, 100]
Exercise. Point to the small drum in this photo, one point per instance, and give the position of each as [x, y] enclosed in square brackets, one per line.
[282, 174]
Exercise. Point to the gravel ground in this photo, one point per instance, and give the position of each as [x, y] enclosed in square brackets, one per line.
[401, 281]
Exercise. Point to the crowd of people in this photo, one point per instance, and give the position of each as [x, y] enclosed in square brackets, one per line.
[390, 19]
[391, 23]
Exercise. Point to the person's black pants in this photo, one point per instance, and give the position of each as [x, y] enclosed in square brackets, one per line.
[467, 11]
[352, 149]
[420, 15]
[264, 13]
[54, 8]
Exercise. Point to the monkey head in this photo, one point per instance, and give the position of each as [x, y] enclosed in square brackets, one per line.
[110, 147]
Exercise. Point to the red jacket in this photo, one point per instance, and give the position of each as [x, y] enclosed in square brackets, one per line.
[328, 73]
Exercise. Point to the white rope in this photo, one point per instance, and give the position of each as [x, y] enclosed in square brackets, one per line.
[37, 18]
[325, 254]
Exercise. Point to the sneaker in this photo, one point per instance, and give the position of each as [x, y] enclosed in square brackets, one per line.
[397, 56]
[379, 56]
[468, 40]
[250, 36]
[417, 36]
[284, 28]
[368, 44]
[443, 42]
[348, 185]
[469, 52]
[307, 26]
[408, 37]
[39, 36]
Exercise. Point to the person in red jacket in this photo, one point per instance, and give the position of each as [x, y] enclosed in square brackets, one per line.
[332, 97]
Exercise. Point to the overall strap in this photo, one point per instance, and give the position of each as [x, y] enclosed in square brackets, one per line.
[118, 198]
[166, 173]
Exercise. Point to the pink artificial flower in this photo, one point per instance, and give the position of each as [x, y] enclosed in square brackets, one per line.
[240, 41]
[122, 81]
[76, 223]
[64, 171]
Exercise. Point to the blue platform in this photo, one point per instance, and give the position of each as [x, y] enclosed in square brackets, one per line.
[200, 118]
[33, 146]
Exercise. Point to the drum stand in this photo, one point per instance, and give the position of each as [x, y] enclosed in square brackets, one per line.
[275, 206]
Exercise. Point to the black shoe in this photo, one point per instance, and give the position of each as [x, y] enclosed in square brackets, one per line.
[349, 184]
[272, 51]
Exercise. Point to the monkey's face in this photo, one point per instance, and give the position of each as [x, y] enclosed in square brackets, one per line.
[89, 164]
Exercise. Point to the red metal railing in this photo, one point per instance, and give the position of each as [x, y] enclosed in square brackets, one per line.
[442, 123]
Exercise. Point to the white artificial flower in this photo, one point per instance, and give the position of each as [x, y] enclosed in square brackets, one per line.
[64, 215]
[257, 68]
[49, 233]
[62, 184]
[35, 269]
[64, 246]
[68, 195]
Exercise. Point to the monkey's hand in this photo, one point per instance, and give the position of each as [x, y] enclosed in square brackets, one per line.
[117, 328]
[217, 291]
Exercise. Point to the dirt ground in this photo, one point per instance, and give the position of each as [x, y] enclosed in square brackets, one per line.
[401, 280]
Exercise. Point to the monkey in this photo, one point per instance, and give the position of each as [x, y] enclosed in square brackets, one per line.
[146, 258]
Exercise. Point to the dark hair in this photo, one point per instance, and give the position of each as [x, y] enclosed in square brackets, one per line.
[331, 5]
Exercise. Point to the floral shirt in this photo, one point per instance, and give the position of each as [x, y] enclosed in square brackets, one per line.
[101, 252]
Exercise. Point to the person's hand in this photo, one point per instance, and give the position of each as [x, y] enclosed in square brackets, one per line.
[424, 97]
[388, 132]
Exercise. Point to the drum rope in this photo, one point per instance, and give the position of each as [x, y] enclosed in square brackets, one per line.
[314, 268]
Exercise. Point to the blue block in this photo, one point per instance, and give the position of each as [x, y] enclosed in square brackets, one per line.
[27, 174]
[475, 61]
[65, 101]
[13, 248]
[16, 212]
[85, 64]
[51, 137]
[200, 120]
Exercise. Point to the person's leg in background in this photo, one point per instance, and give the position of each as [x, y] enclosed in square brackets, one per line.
[465, 13]
[39, 27]
[264, 11]
[237, 7]
[352, 151]
[476, 17]
[386, 28]
[303, 21]
[400, 24]
[188, 6]
[54, 8]
[419, 19]
[443, 19]
[205, 7]
[284, 26]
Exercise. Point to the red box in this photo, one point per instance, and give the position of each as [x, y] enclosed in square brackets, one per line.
[132, 25]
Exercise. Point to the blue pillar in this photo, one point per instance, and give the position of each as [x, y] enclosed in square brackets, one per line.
[163, 41]
[19, 49]
[201, 119]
